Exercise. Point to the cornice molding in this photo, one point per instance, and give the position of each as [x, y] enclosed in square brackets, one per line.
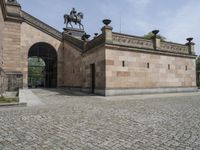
[25, 17]
[79, 44]
[41, 25]
[146, 50]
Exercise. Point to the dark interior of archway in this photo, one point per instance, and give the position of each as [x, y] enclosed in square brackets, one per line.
[48, 54]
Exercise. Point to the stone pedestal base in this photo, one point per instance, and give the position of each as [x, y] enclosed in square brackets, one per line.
[77, 33]
[113, 92]
[15, 81]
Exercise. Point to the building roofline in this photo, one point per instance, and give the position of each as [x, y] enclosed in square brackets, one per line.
[146, 50]
[33, 21]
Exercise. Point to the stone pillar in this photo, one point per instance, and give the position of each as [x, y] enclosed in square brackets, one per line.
[85, 39]
[156, 40]
[1, 37]
[12, 45]
[190, 45]
[107, 31]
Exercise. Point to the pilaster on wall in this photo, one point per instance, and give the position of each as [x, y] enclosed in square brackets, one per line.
[3, 79]
[11, 40]
[1, 34]
[156, 43]
[12, 36]
[11, 46]
[190, 45]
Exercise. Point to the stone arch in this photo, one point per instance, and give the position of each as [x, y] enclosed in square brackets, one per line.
[49, 55]
[30, 36]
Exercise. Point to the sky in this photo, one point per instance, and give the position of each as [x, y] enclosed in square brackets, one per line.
[176, 19]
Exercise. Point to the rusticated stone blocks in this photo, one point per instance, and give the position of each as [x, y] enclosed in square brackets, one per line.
[144, 70]
[15, 81]
[3, 82]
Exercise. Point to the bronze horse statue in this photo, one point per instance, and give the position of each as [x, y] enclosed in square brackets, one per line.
[68, 19]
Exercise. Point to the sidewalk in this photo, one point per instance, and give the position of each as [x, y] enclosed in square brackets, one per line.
[27, 97]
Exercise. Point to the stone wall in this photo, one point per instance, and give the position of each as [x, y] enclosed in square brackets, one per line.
[11, 54]
[15, 81]
[129, 69]
[30, 36]
[11, 46]
[3, 81]
[1, 36]
[73, 76]
[3, 78]
[97, 57]
[77, 73]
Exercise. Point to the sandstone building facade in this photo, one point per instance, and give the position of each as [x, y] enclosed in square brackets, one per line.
[109, 64]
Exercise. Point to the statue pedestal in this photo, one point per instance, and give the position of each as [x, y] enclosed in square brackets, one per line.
[77, 33]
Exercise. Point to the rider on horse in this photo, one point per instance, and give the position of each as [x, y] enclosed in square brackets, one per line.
[74, 17]
[73, 14]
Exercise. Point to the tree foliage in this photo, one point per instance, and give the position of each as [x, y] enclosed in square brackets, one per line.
[198, 63]
[36, 61]
[198, 60]
[36, 70]
[150, 35]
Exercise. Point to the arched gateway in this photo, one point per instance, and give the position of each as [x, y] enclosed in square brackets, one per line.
[48, 54]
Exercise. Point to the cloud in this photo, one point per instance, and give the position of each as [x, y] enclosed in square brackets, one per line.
[185, 23]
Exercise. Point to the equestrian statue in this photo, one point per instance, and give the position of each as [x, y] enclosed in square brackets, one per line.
[75, 18]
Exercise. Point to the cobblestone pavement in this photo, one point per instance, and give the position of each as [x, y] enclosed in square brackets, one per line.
[69, 122]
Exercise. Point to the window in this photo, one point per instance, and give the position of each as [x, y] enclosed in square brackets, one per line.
[123, 63]
[147, 65]
[168, 66]
[186, 68]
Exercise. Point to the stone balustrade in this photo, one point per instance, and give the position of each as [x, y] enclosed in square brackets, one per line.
[173, 47]
[144, 43]
[133, 41]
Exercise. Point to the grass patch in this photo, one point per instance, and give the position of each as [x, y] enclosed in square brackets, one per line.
[8, 100]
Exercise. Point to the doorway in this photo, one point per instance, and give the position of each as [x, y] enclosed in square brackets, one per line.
[93, 75]
[42, 71]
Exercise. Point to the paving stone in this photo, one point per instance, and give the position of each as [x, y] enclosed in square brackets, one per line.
[80, 122]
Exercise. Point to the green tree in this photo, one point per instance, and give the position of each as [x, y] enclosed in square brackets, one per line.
[150, 35]
[36, 67]
[198, 60]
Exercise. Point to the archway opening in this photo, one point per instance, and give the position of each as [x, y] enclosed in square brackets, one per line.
[42, 66]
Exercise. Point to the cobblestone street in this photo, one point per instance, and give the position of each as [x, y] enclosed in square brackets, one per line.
[79, 122]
